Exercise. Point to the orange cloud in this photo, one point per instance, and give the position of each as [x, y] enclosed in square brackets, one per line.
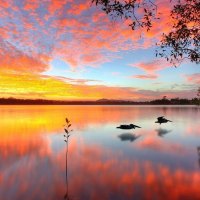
[4, 4]
[56, 5]
[31, 6]
[77, 9]
[12, 59]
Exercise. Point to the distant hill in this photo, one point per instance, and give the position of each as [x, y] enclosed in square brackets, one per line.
[113, 100]
[102, 100]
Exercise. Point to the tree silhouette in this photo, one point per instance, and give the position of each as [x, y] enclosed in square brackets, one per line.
[184, 39]
[183, 42]
[198, 96]
[130, 9]
[198, 92]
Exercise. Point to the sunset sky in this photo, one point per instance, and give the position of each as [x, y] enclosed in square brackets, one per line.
[71, 50]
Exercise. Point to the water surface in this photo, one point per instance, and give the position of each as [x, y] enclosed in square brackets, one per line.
[154, 162]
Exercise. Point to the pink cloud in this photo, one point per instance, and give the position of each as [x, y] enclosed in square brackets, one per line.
[193, 78]
[77, 9]
[148, 76]
[56, 5]
[58, 32]
[151, 66]
[31, 6]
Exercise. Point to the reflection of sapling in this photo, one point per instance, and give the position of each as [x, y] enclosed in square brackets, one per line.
[67, 135]
[67, 130]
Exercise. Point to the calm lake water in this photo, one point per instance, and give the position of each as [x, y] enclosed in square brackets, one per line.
[102, 162]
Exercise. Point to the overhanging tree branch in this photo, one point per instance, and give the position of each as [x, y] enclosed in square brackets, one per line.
[184, 39]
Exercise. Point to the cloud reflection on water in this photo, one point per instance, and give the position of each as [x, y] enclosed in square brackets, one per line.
[33, 155]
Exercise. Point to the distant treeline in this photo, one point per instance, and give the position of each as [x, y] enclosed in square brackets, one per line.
[176, 101]
[164, 101]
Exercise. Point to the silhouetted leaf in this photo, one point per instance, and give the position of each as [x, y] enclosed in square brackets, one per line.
[66, 131]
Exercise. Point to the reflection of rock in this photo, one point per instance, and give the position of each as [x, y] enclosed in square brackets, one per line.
[161, 132]
[128, 136]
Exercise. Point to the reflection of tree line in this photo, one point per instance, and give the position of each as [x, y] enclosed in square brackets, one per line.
[198, 151]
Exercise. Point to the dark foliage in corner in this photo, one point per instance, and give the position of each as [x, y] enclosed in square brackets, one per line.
[183, 42]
